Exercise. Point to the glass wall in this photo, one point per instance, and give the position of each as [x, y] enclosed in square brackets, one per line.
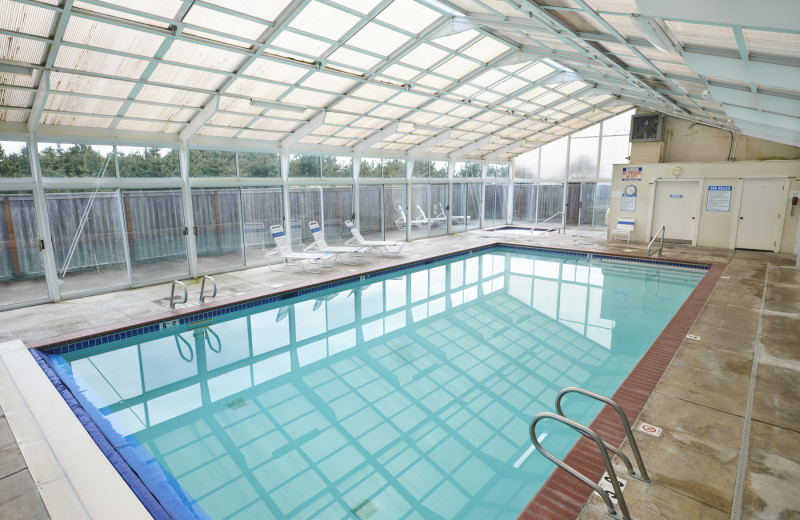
[140, 161]
[21, 264]
[429, 215]
[377, 168]
[495, 208]
[218, 229]
[14, 160]
[261, 208]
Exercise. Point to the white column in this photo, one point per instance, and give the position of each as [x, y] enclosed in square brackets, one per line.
[356, 201]
[409, 173]
[43, 222]
[510, 196]
[188, 213]
[285, 177]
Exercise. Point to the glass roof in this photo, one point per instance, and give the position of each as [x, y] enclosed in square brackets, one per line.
[479, 68]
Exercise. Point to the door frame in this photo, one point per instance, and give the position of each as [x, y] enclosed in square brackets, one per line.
[737, 207]
[698, 207]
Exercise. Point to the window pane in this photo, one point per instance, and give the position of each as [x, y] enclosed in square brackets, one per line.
[589, 131]
[370, 168]
[262, 165]
[370, 219]
[305, 205]
[613, 150]
[498, 171]
[21, 265]
[392, 196]
[304, 166]
[526, 166]
[551, 201]
[336, 166]
[583, 158]
[212, 163]
[261, 208]
[468, 169]
[422, 169]
[337, 206]
[554, 159]
[138, 161]
[394, 168]
[525, 203]
[219, 232]
[618, 125]
[495, 207]
[76, 160]
[14, 160]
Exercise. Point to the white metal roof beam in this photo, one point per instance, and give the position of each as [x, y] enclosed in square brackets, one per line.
[778, 121]
[780, 105]
[778, 14]
[480, 143]
[200, 119]
[504, 150]
[375, 138]
[769, 133]
[314, 123]
[780, 76]
[430, 143]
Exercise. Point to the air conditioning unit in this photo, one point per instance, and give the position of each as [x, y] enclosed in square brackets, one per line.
[647, 128]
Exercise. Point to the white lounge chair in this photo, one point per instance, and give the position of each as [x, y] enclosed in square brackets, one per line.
[423, 218]
[384, 247]
[283, 251]
[402, 220]
[624, 228]
[355, 253]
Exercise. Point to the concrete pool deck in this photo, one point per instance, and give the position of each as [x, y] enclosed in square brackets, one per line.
[701, 401]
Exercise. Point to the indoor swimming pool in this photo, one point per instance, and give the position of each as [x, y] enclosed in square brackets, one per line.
[402, 395]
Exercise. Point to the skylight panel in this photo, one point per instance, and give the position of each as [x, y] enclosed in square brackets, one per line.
[458, 40]
[409, 15]
[93, 61]
[22, 49]
[203, 56]
[434, 81]
[572, 86]
[145, 111]
[674, 68]
[326, 130]
[390, 111]
[378, 39]
[422, 118]
[487, 97]
[312, 139]
[232, 120]
[374, 92]
[256, 8]
[409, 99]
[371, 122]
[465, 111]
[106, 36]
[62, 81]
[324, 20]
[16, 98]
[424, 56]
[13, 116]
[329, 82]
[706, 36]
[275, 71]
[223, 22]
[485, 49]
[401, 72]
[355, 106]
[95, 106]
[501, 7]
[26, 19]
[147, 7]
[235, 42]
[772, 44]
[276, 125]
[351, 58]
[362, 6]
[337, 141]
[173, 96]
[456, 67]
[548, 98]
[308, 98]
[469, 125]
[336, 118]
[354, 133]
[71, 120]
[300, 44]
[164, 73]
[488, 78]
[20, 81]
[466, 91]
[256, 89]
[214, 131]
[618, 6]
[510, 85]
[261, 136]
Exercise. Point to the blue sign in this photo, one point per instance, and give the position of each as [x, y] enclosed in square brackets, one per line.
[719, 198]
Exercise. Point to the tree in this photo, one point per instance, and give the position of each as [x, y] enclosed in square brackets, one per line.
[15, 165]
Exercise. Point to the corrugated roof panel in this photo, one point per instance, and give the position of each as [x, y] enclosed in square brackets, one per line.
[618, 6]
[378, 39]
[400, 72]
[25, 18]
[232, 104]
[409, 15]
[510, 85]
[489, 77]
[87, 105]
[408, 99]
[773, 44]
[456, 67]
[457, 40]
[442, 106]
[397, 146]
[329, 82]
[706, 36]
[435, 82]
[371, 122]
[424, 56]
[335, 118]
[446, 121]
[674, 68]
[326, 130]
[624, 25]
[487, 97]
[485, 49]
[70, 120]
[256, 89]
[502, 7]
[262, 136]
[224, 22]
[13, 116]
[114, 37]
[20, 81]
[337, 141]
[572, 86]
[465, 111]
[256, 8]
[66, 82]
[324, 20]
[92, 61]
[22, 49]
[276, 71]
[218, 132]
[374, 92]
[392, 112]
[312, 139]
[162, 8]
[309, 98]
[276, 125]
[354, 133]
[354, 59]
[232, 120]
[203, 56]
[362, 6]
[144, 126]
[142, 110]
[164, 73]
[16, 98]
[300, 44]
[244, 44]
[172, 95]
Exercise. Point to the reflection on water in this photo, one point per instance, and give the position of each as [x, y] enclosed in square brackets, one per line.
[408, 397]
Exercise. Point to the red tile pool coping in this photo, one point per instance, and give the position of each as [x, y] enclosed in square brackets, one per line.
[562, 496]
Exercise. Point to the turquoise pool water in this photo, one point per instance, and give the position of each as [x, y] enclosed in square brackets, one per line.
[406, 396]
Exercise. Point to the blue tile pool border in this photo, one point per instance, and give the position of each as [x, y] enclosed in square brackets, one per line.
[100, 339]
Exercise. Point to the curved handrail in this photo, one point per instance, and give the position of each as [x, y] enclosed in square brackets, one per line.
[172, 294]
[626, 426]
[203, 287]
[208, 331]
[178, 339]
[560, 463]
[563, 224]
[662, 231]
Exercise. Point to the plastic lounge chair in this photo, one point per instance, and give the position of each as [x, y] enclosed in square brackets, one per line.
[355, 253]
[283, 251]
[423, 219]
[441, 218]
[384, 247]
[624, 228]
[402, 220]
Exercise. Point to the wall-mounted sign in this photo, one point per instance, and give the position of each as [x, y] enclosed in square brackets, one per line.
[719, 198]
[628, 203]
[676, 195]
[632, 174]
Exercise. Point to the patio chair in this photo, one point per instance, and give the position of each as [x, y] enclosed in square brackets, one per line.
[624, 228]
[355, 253]
[423, 218]
[283, 251]
[402, 220]
[384, 247]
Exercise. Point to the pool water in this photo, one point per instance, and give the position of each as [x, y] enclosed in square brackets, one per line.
[405, 397]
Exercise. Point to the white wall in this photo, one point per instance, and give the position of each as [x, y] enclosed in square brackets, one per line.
[715, 229]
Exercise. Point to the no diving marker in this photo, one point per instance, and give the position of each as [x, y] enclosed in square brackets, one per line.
[649, 429]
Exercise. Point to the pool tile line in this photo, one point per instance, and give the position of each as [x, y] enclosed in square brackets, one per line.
[562, 496]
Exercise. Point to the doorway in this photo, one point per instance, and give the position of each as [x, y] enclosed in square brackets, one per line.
[675, 206]
[760, 209]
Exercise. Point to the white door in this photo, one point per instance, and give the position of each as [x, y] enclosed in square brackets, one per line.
[759, 214]
[675, 208]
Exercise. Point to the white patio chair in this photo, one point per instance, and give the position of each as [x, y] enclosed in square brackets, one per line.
[384, 247]
[283, 251]
[624, 228]
[355, 253]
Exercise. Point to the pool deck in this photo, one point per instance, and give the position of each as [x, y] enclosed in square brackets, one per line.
[736, 381]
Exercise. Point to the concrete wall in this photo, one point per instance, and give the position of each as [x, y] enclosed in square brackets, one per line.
[715, 229]
[685, 141]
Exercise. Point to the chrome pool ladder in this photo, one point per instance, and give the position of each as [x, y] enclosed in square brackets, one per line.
[603, 446]
[660, 249]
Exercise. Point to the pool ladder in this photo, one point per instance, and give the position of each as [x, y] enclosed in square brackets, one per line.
[603, 446]
[186, 293]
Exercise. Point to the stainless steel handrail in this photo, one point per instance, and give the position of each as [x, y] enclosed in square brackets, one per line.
[586, 432]
[661, 231]
[172, 294]
[203, 288]
[563, 226]
[625, 425]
